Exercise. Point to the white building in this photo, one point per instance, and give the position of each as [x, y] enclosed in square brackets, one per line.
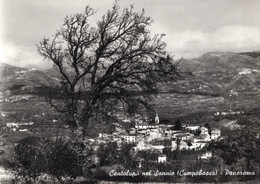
[192, 128]
[9, 124]
[12, 124]
[257, 136]
[143, 131]
[132, 131]
[215, 133]
[130, 138]
[157, 147]
[206, 155]
[184, 136]
[100, 135]
[155, 134]
[205, 137]
[204, 130]
[141, 145]
[182, 146]
[161, 158]
[144, 126]
[174, 133]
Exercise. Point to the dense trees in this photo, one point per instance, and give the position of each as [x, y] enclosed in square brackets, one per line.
[28, 159]
[60, 159]
[240, 146]
[178, 125]
[64, 160]
[106, 65]
[107, 153]
[111, 153]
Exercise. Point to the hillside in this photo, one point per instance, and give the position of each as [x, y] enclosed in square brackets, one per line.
[221, 73]
[254, 54]
[16, 80]
[215, 81]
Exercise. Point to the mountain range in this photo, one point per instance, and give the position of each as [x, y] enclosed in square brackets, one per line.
[224, 73]
[222, 80]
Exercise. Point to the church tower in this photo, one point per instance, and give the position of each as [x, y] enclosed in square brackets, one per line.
[157, 121]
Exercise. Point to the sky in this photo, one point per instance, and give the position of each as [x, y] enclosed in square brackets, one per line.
[192, 27]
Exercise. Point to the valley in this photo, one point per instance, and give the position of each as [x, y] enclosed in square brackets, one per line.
[209, 90]
[216, 81]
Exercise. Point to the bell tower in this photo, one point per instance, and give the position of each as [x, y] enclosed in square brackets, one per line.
[157, 121]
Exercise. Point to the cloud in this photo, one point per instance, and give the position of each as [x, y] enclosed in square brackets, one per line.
[187, 44]
[233, 38]
[21, 56]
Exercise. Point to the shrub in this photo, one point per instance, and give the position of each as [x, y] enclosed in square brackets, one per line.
[63, 160]
[29, 159]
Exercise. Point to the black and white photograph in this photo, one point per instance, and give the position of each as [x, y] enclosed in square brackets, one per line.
[129, 91]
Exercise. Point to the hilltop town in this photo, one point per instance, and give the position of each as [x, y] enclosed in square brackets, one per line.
[156, 136]
[147, 135]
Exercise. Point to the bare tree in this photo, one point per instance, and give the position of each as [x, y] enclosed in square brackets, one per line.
[106, 65]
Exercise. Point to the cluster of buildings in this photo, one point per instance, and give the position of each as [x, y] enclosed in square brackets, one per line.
[21, 127]
[157, 136]
[228, 113]
[153, 137]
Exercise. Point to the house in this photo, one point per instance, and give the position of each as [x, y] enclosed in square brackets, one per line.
[215, 133]
[205, 137]
[12, 124]
[23, 130]
[216, 113]
[191, 128]
[126, 120]
[31, 123]
[176, 132]
[228, 113]
[163, 127]
[204, 130]
[143, 131]
[169, 126]
[161, 158]
[141, 145]
[130, 138]
[184, 136]
[157, 147]
[100, 135]
[132, 131]
[198, 145]
[145, 126]
[206, 155]
[155, 134]
[2, 114]
[182, 145]
[14, 129]
[168, 132]
[117, 139]
[141, 126]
